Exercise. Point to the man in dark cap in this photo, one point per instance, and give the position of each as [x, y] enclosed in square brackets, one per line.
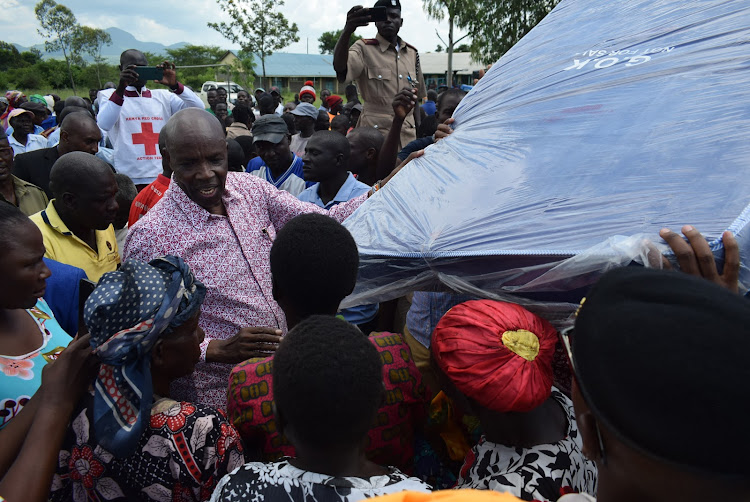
[660, 361]
[276, 95]
[396, 61]
[276, 163]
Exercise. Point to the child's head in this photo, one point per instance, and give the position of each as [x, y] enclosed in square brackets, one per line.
[327, 384]
[314, 263]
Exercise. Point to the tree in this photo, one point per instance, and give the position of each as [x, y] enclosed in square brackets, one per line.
[195, 55]
[327, 41]
[91, 41]
[243, 70]
[439, 48]
[463, 48]
[496, 25]
[9, 56]
[436, 9]
[256, 27]
[59, 27]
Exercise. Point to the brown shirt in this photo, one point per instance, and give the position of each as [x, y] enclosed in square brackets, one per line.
[30, 198]
[380, 72]
[235, 129]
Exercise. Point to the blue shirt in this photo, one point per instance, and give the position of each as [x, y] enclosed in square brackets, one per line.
[62, 294]
[292, 180]
[429, 108]
[426, 310]
[351, 189]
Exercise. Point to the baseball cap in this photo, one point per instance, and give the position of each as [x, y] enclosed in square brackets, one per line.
[19, 111]
[396, 4]
[260, 89]
[275, 89]
[34, 107]
[305, 110]
[271, 128]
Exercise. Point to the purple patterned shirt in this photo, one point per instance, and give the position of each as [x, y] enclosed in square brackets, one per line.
[230, 255]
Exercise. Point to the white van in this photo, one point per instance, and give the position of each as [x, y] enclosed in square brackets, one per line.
[231, 87]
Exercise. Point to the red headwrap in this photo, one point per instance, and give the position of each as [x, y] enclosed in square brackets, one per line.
[498, 354]
[333, 100]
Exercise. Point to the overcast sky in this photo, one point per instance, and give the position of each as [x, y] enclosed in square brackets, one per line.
[172, 21]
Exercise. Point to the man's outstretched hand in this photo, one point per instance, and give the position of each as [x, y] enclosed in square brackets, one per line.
[695, 257]
[247, 343]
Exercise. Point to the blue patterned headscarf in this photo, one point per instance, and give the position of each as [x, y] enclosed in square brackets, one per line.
[126, 314]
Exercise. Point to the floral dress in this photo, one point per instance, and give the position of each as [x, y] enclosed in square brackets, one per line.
[186, 449]
[21, 376]
[256, 482]
[540, 473]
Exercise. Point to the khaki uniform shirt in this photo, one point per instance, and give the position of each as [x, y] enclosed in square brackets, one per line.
[381, 72]
[29, 198]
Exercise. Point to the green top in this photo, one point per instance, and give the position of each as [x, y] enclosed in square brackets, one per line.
[30, 198]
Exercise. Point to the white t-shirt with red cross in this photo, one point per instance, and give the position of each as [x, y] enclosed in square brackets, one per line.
[134, 121]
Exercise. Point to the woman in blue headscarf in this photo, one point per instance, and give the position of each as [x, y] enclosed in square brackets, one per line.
[129, 440]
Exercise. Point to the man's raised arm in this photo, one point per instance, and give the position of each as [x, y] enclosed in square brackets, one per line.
[356, 17]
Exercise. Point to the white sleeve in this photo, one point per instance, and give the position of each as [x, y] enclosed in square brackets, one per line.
[109, 112]
[184, 98]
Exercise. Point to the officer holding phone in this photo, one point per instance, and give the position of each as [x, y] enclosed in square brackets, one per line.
[381, 66]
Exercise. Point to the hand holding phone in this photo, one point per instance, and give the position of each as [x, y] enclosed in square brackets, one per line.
[146, 73]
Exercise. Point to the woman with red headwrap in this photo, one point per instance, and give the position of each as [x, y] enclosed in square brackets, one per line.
[497, 358]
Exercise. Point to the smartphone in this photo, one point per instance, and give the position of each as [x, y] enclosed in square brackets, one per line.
[146, 73]
[377, 14]
[85, 288]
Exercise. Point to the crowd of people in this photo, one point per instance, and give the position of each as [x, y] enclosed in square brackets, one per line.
[171, 277]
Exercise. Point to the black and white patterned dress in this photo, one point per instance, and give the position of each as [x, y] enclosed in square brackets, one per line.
[541, 473]
[257, 482]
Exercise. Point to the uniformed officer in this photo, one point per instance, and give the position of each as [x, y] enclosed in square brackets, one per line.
[381, 66]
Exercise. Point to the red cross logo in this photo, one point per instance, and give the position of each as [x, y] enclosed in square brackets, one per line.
[147, 137]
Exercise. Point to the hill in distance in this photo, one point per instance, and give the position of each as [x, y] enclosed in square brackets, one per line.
[121, 40]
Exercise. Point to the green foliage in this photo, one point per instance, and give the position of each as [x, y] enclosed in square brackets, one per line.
[243, 70]
[90, 41]
[496, 25]
[59, 27]
[439, 48]
[257, 27]
[9, 56]
[327, 41]
[191, 55]
[463, 48]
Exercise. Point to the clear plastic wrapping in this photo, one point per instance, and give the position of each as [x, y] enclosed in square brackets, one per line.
[606, 123]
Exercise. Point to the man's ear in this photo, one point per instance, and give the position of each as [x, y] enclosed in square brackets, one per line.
[371, 153]
[165, 154]
[63, 136]
[586, 425]
[69, 200]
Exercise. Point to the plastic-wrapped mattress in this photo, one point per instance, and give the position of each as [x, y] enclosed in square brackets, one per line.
[606, 123]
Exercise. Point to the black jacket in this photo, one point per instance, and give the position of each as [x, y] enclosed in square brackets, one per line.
[35, 166]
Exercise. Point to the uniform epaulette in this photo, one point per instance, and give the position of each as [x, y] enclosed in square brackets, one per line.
[371, 41]
[410, 46]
